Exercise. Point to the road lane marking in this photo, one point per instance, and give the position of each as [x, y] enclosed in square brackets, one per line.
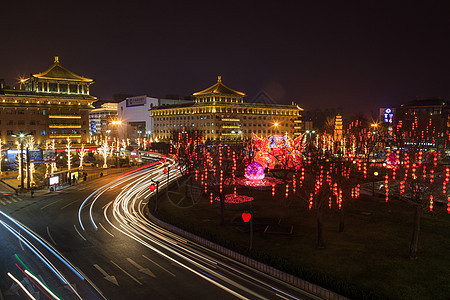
[141, 268]
[131, 276]
[159, 265]
[108, 277]
[54, 202]
[3, 203]
[69, 204]
[48, 232]
[79, 232]
[106, 230]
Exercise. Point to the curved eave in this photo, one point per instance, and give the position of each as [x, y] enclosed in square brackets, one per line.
[72, 76]
[216, 90]
[64, 79]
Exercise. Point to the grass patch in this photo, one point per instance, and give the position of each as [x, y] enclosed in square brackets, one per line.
[369, 260]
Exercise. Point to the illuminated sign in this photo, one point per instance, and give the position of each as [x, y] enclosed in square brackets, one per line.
[388, 116]
[53, 180]
[136, 102]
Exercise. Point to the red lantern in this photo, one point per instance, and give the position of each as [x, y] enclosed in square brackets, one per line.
[152, 187]
[246, 217]
[165, 170]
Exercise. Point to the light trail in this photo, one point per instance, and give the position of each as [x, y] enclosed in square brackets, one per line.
[128, 218]
[21, 286]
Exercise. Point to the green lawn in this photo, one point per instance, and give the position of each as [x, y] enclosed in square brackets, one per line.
[369, 259]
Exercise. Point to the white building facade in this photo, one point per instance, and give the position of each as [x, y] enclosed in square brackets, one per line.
[134, 114]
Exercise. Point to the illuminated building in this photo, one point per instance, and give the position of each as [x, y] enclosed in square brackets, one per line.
[338, 128]
[219, 113]
[55, 104]
[135, 118]
[423, 122]
[101, 120]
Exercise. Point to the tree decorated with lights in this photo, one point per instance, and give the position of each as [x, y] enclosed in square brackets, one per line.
[81, 155]
[30, 144]
[69, 154]
[105, 152]
[53, 167]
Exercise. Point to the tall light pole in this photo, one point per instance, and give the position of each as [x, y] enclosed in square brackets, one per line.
[310, 132]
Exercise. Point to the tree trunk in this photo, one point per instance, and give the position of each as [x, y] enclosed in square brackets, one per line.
[341, 219]
[320, 242]
[415, 235]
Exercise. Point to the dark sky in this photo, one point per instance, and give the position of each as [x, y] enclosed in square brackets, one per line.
[356, 54]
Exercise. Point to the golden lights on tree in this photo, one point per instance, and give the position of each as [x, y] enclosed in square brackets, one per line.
[81, 155]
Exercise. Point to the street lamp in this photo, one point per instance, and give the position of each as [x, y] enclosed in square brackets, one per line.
[310, 132]
[21, 135]
[375, 174]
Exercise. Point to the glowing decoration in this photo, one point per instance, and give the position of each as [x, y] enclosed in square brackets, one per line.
[287, 191]
[69, 154]
[81, 156]
[152, 187]
[448, 205]
[392, 160]
[273, 190]
[246, 217]
[211, 198]
[104, 150]
[254, 171]
[431, 202]
[233, 201]
[386, 186]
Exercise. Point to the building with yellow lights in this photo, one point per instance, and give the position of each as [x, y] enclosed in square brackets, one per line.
[55, 104]
[219, 113]
[103, 121]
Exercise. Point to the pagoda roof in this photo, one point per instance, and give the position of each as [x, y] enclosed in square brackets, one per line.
[219, 89]
[57, 71]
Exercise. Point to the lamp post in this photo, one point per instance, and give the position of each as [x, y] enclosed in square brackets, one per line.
[375, 174]
[21, 135]
[155, 186]
[310, 132]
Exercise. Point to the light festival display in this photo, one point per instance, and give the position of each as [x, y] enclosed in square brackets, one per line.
[254, 171]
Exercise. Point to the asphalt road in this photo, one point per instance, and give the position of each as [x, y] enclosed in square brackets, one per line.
[100, 227]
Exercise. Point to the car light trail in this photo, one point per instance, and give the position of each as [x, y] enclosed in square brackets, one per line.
[21, 286]
[126, 215]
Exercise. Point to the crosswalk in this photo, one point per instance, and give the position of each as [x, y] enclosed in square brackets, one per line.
[8, 199]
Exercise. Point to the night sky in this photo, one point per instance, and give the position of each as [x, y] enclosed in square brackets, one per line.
[356, 54]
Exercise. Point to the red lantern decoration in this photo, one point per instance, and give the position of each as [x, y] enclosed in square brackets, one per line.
[246, 217]
[152, 187]
[165, 171]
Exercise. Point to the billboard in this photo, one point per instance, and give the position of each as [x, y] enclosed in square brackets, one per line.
[136, 101]
[49, 155]
[53, 180]
[35, 155]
